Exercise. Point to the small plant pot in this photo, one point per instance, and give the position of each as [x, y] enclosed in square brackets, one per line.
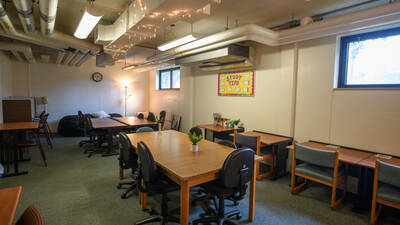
[236, 126]
[195, 148]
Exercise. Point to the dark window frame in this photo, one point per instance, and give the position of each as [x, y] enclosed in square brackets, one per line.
[344, 52]
[170, 78]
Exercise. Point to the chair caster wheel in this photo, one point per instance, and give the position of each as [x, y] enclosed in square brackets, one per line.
[123, 196]
[119, 186]
[238, 217]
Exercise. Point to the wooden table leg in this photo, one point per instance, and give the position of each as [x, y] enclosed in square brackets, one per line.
[121, 173]
[184, 203]
[252, 196]
[143, 199]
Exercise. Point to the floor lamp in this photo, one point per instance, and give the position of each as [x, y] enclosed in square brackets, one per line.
[126, 98]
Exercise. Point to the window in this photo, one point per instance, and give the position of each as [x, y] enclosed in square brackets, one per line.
[370, 60]
[168, 79]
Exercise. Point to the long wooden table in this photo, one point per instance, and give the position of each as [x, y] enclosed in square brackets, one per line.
[134, 121]
[266, 138]
[14, 128]
[217, 129]
[9, 198]
[171, 151]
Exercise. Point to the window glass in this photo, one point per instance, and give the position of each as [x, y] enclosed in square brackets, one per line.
[370, 59]
[165, 80]
[176, 79]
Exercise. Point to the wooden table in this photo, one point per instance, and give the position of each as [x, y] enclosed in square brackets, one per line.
[346, 155]
[171, 151]
[9, 198]
[112, 127]
[266, 138]
[15, 127]
[370, 161]
[216, 129]
[134, 121]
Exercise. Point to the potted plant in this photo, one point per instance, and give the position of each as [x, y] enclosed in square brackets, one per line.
[236, 123]
[194, 139]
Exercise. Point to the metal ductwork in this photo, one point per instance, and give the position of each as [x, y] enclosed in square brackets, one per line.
[229, 57]
[5, 21]
[69, 57]
[25, 14]
[14, 47]
[17, 56]
[88, 55]
[388, 14]
[78, 56]
[60, 57]
[48, 12]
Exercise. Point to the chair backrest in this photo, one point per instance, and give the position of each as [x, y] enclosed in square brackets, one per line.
[246, 141]
[151, 117]
[196, 130]
[319, 157]
[80, 119]
[140, 116]
[162, 117]
[31, 216]
[43, 119]
[42, 114]
[388, 173]
[176, 122]
[1, 170]
[127, 157]
[148, 167]
[237, 169]
[88, 122]
[227, 143]
[144, 129]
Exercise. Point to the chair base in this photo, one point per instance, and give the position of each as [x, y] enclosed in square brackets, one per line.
[132, 187]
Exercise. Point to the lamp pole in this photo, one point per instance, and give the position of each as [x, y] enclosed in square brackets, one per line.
[126, 97]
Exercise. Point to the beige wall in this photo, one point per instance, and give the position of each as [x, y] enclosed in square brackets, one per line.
[365, 119]
[174, 101]
[70, 89]
[268, 110]
[5, 75]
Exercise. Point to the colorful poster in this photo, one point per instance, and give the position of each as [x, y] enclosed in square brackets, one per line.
[236, 83]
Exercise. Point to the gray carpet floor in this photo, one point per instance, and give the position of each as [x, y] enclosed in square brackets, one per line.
[75, 189]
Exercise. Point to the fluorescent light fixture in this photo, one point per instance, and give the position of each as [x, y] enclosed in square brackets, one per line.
[178, 42]
[88, 21]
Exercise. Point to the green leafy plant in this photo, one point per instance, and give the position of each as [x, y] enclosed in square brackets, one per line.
[194, 138]
[236, 122]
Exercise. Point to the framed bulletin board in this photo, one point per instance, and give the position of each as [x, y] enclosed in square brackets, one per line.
[236, 83]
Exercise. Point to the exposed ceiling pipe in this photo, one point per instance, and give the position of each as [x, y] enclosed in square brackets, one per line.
[17, 56]
[89, 55]
[25, 49]
[78, 56]
[70, 55]
[5, 21]
[58, 41]
[48, 12]
[383, 15]
[25, 14]
[60, 57]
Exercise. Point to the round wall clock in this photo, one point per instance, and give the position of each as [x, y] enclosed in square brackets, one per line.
[97, 77]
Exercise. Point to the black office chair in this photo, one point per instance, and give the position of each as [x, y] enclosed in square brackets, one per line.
[128, 160]
[140, 116]
[98, 136]
[144, 129]
[155, 183]
[196, 130]
[151, 117]
[81, 125]
[236, 173]
[162, 118]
